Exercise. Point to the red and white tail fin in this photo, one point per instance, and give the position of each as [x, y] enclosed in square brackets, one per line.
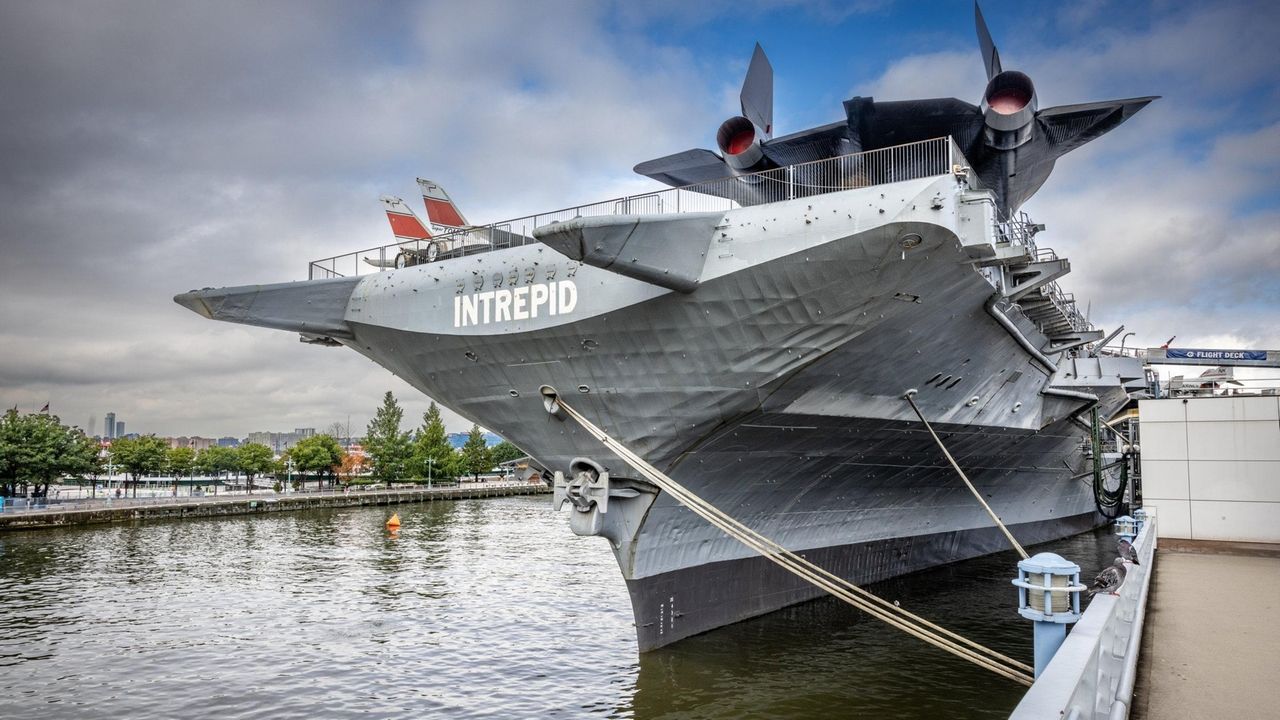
[405, 225]
[440, 208]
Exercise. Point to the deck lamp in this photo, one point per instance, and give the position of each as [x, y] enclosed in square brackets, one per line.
[1140, 517]
[1127, 527]
[1049, 595]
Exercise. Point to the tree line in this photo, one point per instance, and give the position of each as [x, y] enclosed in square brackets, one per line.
[37, 450]
[395, 454]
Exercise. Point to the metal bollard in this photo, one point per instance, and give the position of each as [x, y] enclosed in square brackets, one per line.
[1127, 527]
[1048, 595]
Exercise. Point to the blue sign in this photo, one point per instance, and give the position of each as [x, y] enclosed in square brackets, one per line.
[1194, 354]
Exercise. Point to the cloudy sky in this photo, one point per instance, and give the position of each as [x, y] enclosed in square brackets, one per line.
[148, 148]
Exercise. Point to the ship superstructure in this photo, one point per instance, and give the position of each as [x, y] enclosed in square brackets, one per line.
[752, 337]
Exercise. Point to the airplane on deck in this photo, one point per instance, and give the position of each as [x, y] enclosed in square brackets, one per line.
[1011, 144]
[446, 237]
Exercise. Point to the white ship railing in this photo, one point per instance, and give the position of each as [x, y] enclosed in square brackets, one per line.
[1066, 304]
[926, 158]
[1092, 674]
[1020, 231]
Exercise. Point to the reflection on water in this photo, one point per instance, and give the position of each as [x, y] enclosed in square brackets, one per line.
[475, 608]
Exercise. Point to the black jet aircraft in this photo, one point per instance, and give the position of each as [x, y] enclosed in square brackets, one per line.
[1010, 143]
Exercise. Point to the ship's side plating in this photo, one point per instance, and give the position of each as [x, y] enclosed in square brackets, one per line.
[773, 389]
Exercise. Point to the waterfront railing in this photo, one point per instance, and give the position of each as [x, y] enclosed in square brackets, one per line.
[1092, 675]
[43, 505]
[912, 161]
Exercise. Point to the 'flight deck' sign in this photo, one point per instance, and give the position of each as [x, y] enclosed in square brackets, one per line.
[1214, 355]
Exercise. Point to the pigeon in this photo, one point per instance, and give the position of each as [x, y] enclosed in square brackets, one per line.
[1127, 550]
[1110, 579]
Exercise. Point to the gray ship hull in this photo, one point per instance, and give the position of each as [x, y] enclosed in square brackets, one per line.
[774, 391]
[677, 604]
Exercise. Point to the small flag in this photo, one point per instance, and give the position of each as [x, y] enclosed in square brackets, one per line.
[45, 409]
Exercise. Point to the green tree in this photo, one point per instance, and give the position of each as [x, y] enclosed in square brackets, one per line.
[254, 459]
[387, 447]
[181, 461]
[432, 456]
[216, 460]
[475, 453]
[318, 455]
[505, 452]
[37, 449]
[139, 456]
[85, 460]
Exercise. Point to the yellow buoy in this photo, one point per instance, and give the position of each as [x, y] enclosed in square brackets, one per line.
[394, 522]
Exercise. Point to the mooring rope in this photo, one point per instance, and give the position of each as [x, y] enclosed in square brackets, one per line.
[835, 585]
[996, 518]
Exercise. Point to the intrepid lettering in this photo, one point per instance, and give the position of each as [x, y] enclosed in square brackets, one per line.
[522, 303]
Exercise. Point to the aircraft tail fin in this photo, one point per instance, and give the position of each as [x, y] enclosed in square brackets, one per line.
[405, 225]
[440, 208]
[757, 92]
[990, 56]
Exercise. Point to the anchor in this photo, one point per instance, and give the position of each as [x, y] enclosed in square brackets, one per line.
[602, 505]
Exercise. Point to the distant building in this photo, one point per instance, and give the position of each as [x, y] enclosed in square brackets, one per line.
[228, 442]
[119, 429]
[359, 458]
[194, 442]
[260, 438]
[109, 427]
[279, 442]
[458, 439]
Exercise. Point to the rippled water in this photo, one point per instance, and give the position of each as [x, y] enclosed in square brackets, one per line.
[478, 608]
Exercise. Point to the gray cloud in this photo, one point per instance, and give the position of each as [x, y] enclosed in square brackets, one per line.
[1161, 227]
[151, 148]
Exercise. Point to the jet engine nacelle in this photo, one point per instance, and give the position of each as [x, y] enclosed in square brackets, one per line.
[1009, 110]
[739, 141]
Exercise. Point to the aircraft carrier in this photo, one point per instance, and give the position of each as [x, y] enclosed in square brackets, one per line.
[752, 331]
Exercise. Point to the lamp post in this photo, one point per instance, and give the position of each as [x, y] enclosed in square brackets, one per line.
[431, 462]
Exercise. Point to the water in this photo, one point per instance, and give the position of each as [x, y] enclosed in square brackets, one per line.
[480, 608]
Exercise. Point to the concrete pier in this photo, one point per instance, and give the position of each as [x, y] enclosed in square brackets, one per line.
[125, 510]
[1212, 640]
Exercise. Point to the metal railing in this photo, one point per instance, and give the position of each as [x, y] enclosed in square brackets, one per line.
[1018, 231]
[1203, 387]
[926, 158]
[21, 505]
[1066, 304]
[1092, 674]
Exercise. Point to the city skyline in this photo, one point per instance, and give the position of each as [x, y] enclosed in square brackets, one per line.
[140, 164]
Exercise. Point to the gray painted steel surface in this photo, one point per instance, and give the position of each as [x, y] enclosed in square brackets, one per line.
[766, 376]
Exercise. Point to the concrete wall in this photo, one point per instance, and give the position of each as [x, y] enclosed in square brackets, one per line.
[181, 508]
[1212, 466]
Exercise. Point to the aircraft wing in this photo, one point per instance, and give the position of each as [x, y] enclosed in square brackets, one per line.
[698, 165]
[1070, 126]
[898, 122]
[685, 168]
[817, 143]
